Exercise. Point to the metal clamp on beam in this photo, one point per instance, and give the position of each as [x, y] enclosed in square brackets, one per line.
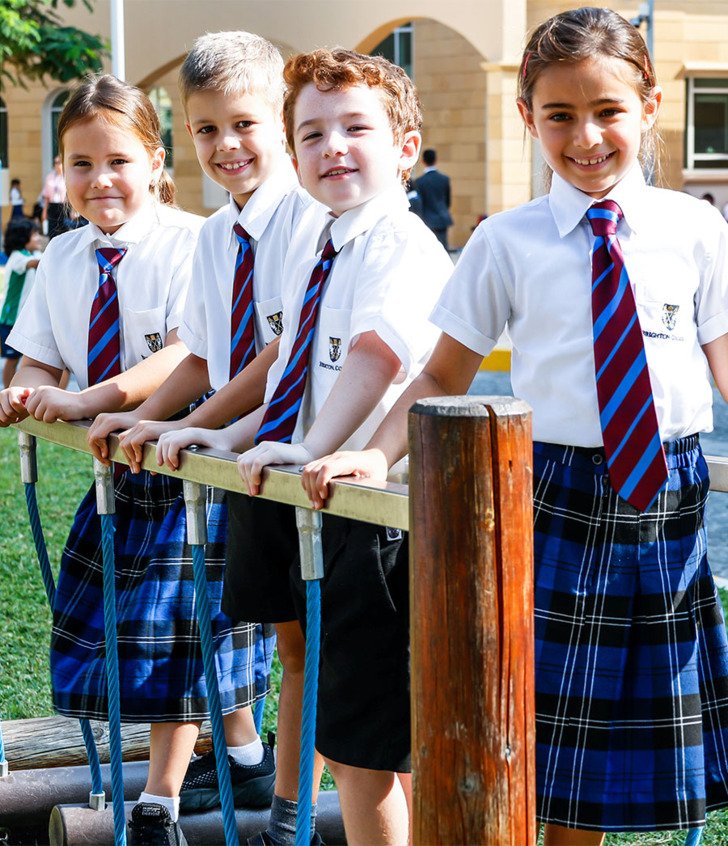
[196, 506]
[97, 801]
[28, 461]
[309, 544]
[104, 481]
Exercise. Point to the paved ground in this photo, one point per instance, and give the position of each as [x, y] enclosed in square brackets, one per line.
[714, 443]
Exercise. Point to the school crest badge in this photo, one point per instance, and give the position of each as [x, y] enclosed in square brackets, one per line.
[669, 315]
[334, 348]
[275, 321]
[154, 341]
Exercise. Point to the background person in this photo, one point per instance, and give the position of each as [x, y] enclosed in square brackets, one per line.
[433, 191]
[54, 200]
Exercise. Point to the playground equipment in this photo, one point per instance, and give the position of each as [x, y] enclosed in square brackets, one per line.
[469, 514]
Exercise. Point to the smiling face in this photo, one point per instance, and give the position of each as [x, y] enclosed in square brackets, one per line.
[108, 172]
[239, 140]
[589, 119]
[345, 149]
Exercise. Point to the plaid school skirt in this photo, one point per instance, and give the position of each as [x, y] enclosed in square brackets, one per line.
[160, 663]
[631, 649]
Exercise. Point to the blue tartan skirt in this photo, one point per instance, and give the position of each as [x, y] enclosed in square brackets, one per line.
[631, 649]
[160, 663]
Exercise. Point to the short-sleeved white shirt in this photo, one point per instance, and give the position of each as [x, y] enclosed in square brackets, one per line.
[269, 217]
[386, 278]
[530, 269]
[151, 281]
[18, 263]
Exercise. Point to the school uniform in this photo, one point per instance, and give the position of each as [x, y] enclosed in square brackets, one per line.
[19, 280]
[269, 217]
[160, 663]
[631, 651]
[388, 271]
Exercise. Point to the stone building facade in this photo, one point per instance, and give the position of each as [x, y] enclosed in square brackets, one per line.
[463, 56]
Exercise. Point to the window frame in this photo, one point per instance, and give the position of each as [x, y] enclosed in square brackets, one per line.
[716, 161]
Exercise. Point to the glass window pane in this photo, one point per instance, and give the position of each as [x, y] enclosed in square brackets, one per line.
[716, 82]
[385, 48]
[397, 47]
[711, 123]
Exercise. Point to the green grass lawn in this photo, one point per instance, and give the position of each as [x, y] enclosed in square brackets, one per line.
[64, 477]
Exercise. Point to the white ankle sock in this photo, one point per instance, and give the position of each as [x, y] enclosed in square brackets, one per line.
[171, 803]
[248, 755]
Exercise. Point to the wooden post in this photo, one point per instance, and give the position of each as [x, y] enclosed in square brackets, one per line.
[471, 589]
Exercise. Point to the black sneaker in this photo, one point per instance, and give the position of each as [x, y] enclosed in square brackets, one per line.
[151, 825]
[264, 839]
[252, 785]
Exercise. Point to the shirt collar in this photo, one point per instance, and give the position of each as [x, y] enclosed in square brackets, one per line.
[256, 214]
[360, 219]
[569, 205]
[132, 232]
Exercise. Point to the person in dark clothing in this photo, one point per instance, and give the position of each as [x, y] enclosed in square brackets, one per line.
[433, 190]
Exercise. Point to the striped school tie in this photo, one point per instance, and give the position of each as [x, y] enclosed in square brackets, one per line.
[282, 413]
[242, 319]
[635, 457]
[104, 344]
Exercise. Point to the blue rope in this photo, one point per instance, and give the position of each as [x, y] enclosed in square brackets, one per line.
[308, 715]
[112, 679]
[213, 696]
[2, 746]
[694, 836]
[97, 784]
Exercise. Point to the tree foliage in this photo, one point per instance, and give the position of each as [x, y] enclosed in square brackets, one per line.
[34, 43]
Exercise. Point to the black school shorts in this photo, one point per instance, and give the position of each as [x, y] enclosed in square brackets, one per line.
[262, 546]
[364, 692]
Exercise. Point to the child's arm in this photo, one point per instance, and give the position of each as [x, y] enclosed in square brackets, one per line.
[30, 376]
[369, 369]
[188, 382]
[120, 392]
[449, 372]
[717, 354]
[244, 393]
[232, 439]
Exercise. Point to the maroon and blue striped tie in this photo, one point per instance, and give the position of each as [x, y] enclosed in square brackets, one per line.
[104, 344]
[635, 457]
[282, 413]
[242, 319]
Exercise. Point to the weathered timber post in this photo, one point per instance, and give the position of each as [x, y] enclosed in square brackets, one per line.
[471, 588]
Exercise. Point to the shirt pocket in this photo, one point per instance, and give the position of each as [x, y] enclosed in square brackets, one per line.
[144, 333]
[664, 315]
[332, 341]
[270, 319]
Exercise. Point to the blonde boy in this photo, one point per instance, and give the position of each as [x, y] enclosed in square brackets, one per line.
[353, 122]
[232, 89]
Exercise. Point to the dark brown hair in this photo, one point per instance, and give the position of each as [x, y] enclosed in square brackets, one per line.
[124, 105]
[339, 68]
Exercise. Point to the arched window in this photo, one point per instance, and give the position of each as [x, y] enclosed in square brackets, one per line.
[3, 134]
[163, 106]
[57, 104]
[397, 47]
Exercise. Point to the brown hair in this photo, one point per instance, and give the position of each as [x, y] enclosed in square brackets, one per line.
[124, 105]
[589, 33]
[339, 68]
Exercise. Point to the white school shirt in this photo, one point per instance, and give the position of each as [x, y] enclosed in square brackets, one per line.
[18, 263]
[530, 269]
[269, 217]
[387, 276]
[151, 281]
